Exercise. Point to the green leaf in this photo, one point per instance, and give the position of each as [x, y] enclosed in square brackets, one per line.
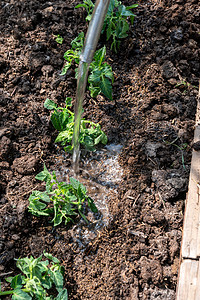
[16, 282]
[57, 219]
[63, 295]
[132, 6]
[102, 138]
[94, 77]
[39, 196]
[81, 5]
[51, 257]
[68, 101]
[57, 278]
[59, 39]
[65, 68]
[20, 295]
[44, 175]
[49, 104]
[100, 56]
[109, 31]
[64, 136]
[106, 87]
[94, 91]
[91, 205]
[75, 183]
[78, 42]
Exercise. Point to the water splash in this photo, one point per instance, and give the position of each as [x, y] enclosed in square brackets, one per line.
[101, 175]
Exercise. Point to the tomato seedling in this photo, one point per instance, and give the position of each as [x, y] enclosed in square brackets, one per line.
[61, 200]
[36, 279]
[63, 120]
[115, 25]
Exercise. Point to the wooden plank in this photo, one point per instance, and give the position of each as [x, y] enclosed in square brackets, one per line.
[191, 227]
[188, 285]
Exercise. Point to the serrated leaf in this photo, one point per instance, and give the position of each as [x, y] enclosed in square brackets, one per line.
[106, 87]
[63, 295]
[94, 77]
[64, 136]
[109, 31]
[20, 295]
[75, 183]
[39, 195]
[16, 282]
[77, 43]
[59, 39]
[9, 279]
[65, 68]
[57, 278]
[44, 175]
[51, 257]
[49, 104]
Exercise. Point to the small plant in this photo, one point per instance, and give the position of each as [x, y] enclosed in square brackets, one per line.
[101, 75]
[186, 85]
[37, 279]
[89, 6]
[115, 25]
[63, 120]
[182, 147]
[62, 200]
[74, 53]
[59, 39]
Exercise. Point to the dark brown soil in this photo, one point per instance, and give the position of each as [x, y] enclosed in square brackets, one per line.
[136, 256]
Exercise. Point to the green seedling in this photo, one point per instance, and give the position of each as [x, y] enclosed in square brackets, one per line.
[37, 278]
[59, 39]
[116, 24]
[182, 147]
[186, 85]
[63, 120]
[60, 199]
[74, 53]
[89, 6]
[101, 75]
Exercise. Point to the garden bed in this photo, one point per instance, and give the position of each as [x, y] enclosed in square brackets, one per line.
[135, 255]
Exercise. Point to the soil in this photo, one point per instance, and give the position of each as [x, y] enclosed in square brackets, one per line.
[136, 255]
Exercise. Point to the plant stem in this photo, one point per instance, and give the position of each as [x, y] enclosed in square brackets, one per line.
[12, 292]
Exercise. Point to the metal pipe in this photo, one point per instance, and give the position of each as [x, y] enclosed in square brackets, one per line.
[94, 30]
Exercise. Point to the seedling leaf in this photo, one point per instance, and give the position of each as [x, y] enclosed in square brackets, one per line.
[20, 295]
[63, 295]
[51, 257]
[49, 104]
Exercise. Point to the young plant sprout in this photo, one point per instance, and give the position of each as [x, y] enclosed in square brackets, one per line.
[37, 278]
[63, 120]
[61, 200]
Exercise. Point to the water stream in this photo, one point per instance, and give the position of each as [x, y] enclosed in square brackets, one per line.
[81, 85]
[90, 44]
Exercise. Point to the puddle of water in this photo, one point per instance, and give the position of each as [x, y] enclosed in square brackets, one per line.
[101, 176]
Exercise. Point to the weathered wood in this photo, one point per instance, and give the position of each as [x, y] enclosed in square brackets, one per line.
[188, 287]
[191, 228]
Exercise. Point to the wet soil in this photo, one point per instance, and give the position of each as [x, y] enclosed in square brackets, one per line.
[136, 254]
